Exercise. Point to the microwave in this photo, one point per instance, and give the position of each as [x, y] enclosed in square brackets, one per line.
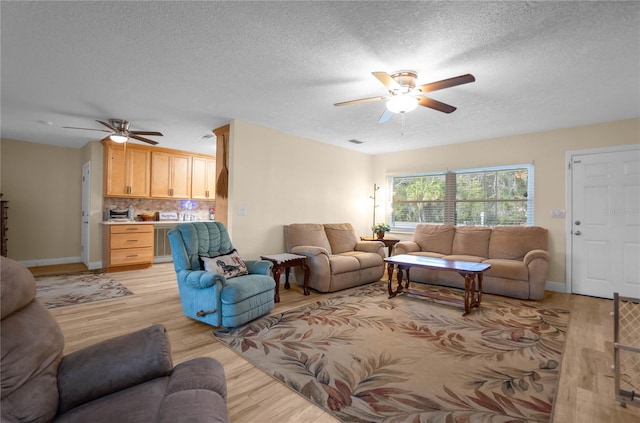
[116, 214]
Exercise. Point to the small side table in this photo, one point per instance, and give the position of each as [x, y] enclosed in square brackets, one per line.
[388, 242]
[286, 261]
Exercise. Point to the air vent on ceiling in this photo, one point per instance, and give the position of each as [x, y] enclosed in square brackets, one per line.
[207, 136]
[354, 141]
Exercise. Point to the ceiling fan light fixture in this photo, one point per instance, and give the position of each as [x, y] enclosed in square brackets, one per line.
[402, 104]
[118, 138]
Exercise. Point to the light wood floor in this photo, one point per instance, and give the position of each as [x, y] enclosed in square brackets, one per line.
[586, 390]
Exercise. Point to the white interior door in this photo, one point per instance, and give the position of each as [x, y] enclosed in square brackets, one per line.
[86, 213]
[605, 223]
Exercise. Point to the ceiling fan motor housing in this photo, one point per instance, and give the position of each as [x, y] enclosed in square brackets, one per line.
[406, 79]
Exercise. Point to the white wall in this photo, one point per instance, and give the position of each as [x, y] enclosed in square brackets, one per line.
[280, 178]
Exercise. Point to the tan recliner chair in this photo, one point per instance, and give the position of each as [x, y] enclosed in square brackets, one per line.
[337, 259]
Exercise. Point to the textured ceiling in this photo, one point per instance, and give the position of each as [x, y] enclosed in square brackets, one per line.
[184, 68]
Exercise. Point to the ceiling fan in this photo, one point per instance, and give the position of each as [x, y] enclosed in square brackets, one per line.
[120, 132]
[405, 95]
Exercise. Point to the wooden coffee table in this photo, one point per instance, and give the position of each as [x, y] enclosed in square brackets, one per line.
[471, 272]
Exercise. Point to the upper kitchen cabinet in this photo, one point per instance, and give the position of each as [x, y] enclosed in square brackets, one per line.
[170, 175]
[203, 178]
[127, 170]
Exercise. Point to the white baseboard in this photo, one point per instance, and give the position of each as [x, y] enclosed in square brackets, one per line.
[49, 262]
[555, 286]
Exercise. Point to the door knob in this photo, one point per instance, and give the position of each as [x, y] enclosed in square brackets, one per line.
[577, 222]
[578, 233]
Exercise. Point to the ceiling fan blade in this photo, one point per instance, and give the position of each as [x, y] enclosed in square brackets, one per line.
[361, 100]
[86, 129]
[387, 80]
[143, 139]
[436, 105]
[156, 133]
[385, 116]
[447, 83]
[107, 125]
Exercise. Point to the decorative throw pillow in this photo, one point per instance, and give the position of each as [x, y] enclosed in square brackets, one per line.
[228, 265]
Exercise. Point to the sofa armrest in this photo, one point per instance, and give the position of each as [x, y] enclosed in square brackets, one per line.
[259, 267]
[405, 247]
[113, 365]
[536, 254]
[370, 246]
[537, 261]
[309, 250]
[201, 279]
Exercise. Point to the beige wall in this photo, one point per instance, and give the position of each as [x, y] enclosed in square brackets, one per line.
[43, 186]
[280, 178]
[545, 149]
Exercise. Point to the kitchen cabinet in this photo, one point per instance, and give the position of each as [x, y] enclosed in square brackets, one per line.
[127, 170]
[203, 178]
[127, 246]
[170, 175]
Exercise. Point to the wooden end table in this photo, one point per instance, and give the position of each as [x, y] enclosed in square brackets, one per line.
[286, 261]
[471, 271]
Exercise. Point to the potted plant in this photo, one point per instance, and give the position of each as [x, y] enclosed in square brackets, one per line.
[380, 229]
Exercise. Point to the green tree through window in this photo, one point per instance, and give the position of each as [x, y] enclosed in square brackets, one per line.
[489, 196]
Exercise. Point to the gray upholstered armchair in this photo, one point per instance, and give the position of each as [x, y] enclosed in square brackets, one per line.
[130, 378]
[208, 295]
[337, 259]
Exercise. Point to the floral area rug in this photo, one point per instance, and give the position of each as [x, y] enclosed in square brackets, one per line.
[65, 290]
[366, 358]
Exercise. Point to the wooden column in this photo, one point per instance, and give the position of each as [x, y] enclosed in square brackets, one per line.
[222, 165]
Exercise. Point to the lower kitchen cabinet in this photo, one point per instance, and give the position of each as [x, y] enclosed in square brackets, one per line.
[127, 246]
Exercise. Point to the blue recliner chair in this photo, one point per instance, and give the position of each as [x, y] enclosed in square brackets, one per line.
[210, 297]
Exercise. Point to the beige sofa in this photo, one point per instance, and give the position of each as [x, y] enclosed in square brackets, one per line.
[337, 259]
[518, 256]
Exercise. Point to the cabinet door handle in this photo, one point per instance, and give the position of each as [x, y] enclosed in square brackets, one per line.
[132, 256]
[132, 240]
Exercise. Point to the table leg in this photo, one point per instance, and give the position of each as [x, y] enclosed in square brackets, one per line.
[468, 293]
[276, 275]
[479, 288]
[390, 275]
[286, 278]
[307, 272]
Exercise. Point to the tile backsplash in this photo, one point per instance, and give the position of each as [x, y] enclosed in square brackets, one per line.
[198, 208]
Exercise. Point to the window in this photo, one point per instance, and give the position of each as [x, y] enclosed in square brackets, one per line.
[487, 196]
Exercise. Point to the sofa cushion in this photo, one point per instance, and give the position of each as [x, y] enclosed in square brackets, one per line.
[472, 241]
[434, 238]
[343, 263]
[514, 242]
[342, 237]
[298, 234]
[366, 259]
[507, 269]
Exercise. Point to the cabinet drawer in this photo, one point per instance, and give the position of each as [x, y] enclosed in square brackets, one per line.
[131, 240]
[127, 229]
[131, 256]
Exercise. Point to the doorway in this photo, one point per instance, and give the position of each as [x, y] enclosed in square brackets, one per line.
[603, 222]
[86, 214]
